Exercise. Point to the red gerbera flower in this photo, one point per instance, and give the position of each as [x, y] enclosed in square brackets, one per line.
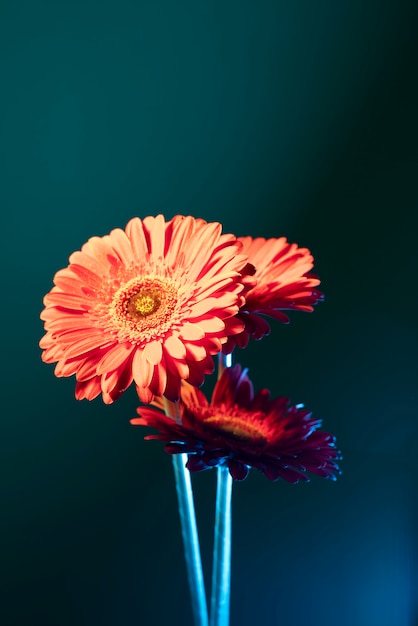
[151, 303]
[244, 430]
[284, 282]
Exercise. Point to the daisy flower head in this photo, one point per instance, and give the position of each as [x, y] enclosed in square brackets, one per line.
[150, 304]
[284, 282]
[241, 429]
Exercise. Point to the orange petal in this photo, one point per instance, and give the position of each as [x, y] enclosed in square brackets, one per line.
[135, 231]
[88, 262]
[160, 374]
[182, 230]
[203, 306]
[213, 345]
[211, 325]
[88, 389]
[191, 332]
[66, 368]
[69, 336]
[114, 383]
[175, 347]
[196, 351]
[214, 284]
[114, 357]
[156, 228]
[144, 394]
[179, 368]
[122, 245]
[86, 275]
[51, 353]
[153, 352]
[234, 325]
[100, 248]
[67, 322]
[142, 370]
[56, 298]
[87, 367]
[192, 396]
[85, 345]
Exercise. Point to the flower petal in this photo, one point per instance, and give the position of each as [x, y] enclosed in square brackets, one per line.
[122, 245]
[174, 347]
[156, 230]
[88, 389]
[153, 352]
[191, 332]
[114, 357]
[85, 345]
[142, 369]
[135, 232]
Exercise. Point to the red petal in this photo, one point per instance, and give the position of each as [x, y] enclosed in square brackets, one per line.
[238, 470]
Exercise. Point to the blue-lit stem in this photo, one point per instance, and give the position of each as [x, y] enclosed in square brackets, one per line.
[189, 531]
[221, 567]
[190, 540]
[221, 573]
[224, 361]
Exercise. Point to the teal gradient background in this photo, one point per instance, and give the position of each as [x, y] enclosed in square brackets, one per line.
[274, 118]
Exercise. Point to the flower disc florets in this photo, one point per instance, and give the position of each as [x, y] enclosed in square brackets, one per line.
[143, 309]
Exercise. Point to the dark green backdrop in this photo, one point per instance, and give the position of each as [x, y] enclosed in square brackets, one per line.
[275, 118]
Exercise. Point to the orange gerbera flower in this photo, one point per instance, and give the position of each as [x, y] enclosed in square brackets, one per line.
[150, 304]
[241, 429]
[284, 282]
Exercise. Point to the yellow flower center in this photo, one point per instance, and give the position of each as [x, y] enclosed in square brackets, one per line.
[143, 303]
[143, 309]
[237, 426]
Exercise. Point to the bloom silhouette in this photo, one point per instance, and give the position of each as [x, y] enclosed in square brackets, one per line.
[243, 430]
[150, 304]
[284, 282]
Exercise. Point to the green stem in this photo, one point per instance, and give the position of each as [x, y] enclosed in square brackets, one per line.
[221, 573]
[189, 530]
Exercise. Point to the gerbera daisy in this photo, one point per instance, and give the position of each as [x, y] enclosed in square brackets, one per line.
[150, 304]
[243, 430]
[284, 282]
